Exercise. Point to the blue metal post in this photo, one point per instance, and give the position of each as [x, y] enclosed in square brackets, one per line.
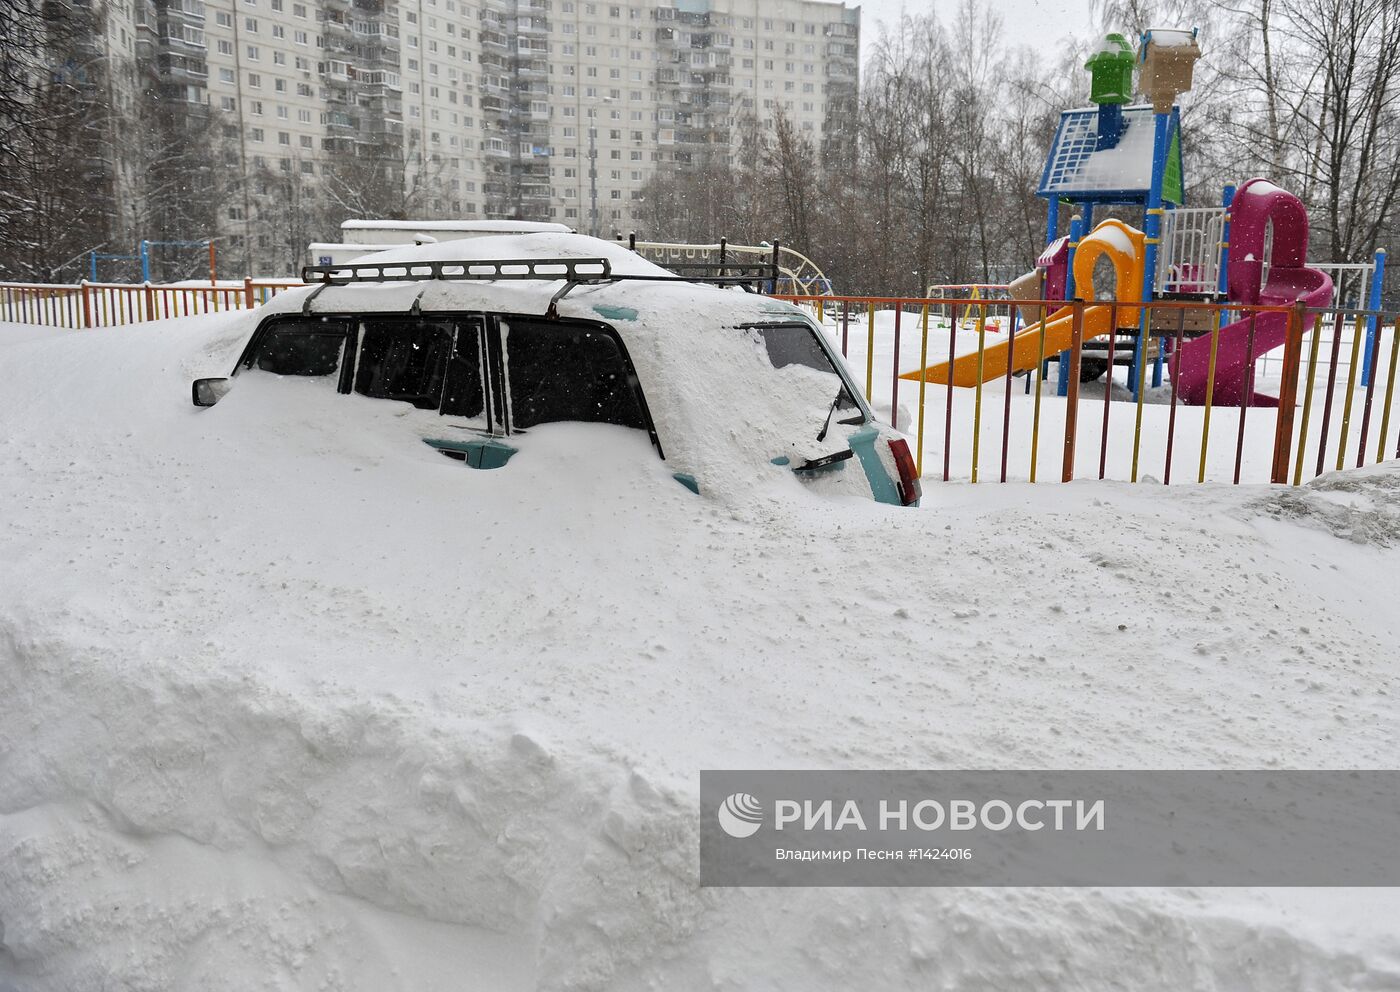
[1052, 220]
[145, 261]
[1227, 197]
[1373, 302]
[93, 268]
[1152, 227]
[1076, 231]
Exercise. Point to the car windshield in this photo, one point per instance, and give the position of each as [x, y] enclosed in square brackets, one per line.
[808, 375]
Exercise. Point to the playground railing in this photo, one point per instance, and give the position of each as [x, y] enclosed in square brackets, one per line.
[1140, 422]
[91, 304]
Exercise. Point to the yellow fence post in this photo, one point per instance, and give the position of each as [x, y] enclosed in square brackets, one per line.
[1351, 391]
[923, 386]
[1307, 400]
[977, 400]
[1389, 391]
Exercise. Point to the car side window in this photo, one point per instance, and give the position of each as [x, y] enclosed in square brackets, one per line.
[404, 360]
[558, 372]
[297, 347]
[463, 387]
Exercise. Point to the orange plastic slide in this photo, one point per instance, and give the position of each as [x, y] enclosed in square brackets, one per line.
[1058, 330]
[1124, 246]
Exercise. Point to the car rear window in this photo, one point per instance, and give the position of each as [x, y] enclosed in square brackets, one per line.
[557, 372]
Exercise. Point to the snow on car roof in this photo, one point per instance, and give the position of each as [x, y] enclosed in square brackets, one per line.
[634, 298]
[502, 226]
[697, 382]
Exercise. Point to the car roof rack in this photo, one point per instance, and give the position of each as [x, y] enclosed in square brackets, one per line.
[577, 271]
[582, 270]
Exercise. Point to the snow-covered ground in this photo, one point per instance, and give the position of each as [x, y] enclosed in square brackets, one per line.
[288, 701]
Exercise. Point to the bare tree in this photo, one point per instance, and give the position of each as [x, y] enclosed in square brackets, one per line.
[56, 173]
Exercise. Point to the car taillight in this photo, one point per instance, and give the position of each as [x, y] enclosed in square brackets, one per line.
[910, 489]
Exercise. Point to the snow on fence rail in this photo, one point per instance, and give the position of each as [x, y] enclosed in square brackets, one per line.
[1328, 414]
[91, 304]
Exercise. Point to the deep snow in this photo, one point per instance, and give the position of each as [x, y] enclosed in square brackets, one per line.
[289, 701]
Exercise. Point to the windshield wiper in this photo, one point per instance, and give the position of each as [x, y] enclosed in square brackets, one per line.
[831, 410]
[812, 464]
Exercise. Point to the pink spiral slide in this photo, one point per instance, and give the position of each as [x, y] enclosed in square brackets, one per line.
[1256, 205]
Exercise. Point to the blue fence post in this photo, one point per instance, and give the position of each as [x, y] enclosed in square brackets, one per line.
[1076, 231]
[145, 261]
[93, 266]
[1373, 302]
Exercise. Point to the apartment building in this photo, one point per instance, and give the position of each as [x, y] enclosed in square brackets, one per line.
[490, 108]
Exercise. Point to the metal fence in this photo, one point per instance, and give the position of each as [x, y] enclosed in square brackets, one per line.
[1326, 415]
[91, 304]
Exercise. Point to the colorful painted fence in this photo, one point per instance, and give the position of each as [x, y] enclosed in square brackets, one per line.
[110, 304]
[1222, 393]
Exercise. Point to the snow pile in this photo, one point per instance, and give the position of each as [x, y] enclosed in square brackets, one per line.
[1362, 506]
[289, 701]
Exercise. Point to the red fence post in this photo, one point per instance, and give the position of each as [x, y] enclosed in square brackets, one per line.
[150, 302]
[248, 292]
[1288, 394]
[87, 304]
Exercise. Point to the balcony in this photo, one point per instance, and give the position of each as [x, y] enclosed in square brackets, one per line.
[175, 66]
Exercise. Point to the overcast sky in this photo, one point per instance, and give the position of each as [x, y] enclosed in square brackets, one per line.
[1028, 22]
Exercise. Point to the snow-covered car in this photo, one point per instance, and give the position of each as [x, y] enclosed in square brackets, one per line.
[483, 343]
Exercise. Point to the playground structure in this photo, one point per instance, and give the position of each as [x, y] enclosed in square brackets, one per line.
[1115, 155]
[142, 255]
[798, 273]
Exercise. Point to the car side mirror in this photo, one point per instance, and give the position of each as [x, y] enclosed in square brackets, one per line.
[207, 392]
